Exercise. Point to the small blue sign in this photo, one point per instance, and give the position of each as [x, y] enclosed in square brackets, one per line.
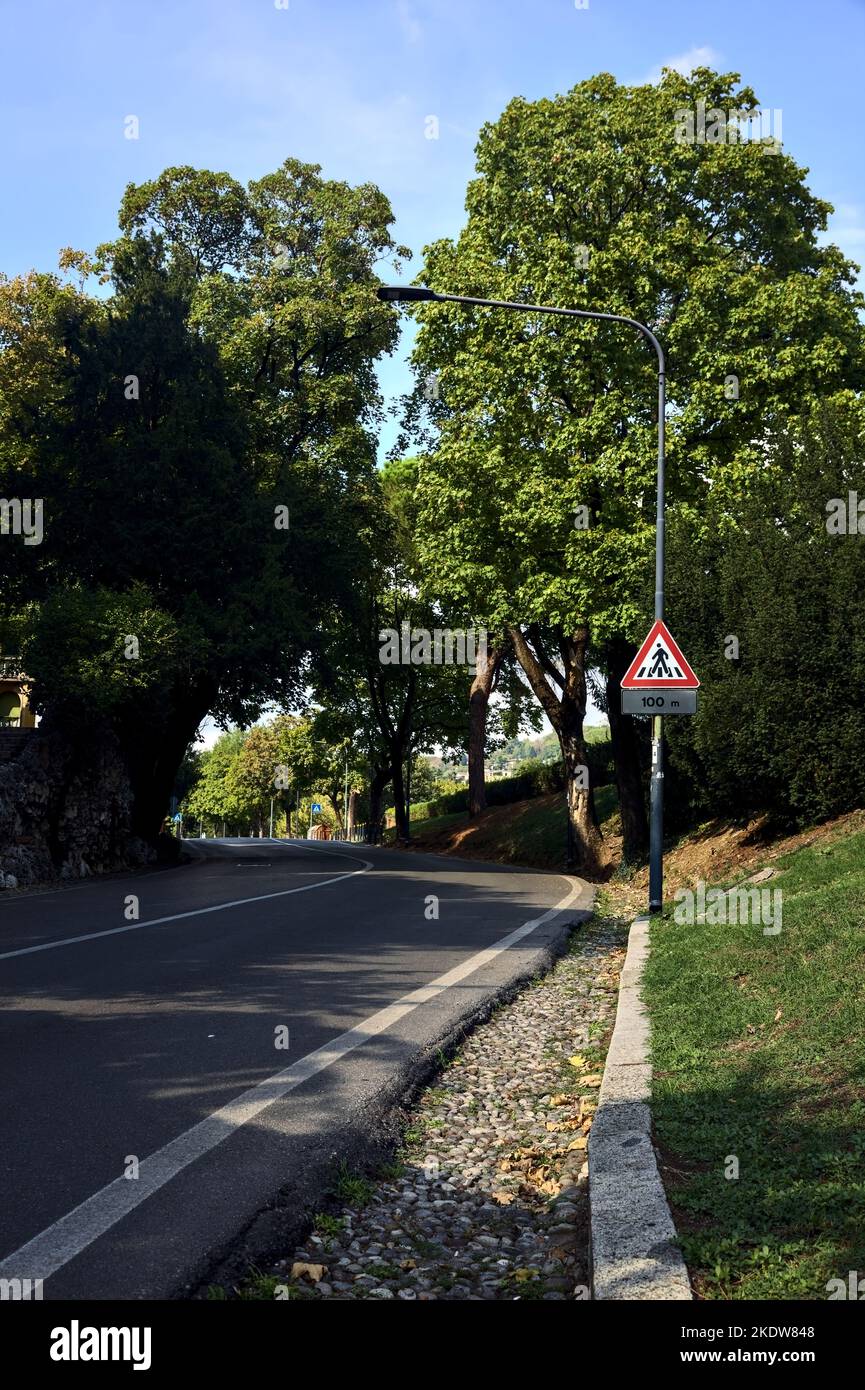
[316, 806]
[177, 819]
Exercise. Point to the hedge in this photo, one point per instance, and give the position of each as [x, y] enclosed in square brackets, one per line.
[536, 779]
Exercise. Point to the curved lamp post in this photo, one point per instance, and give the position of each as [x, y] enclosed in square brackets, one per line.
[408, 293]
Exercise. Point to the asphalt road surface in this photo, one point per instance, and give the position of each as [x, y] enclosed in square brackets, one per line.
[180, 1045]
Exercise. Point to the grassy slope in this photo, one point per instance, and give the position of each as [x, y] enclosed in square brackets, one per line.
[525, 832]
[759, 1052]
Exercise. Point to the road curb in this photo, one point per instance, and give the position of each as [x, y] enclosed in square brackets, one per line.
[371, 1133]
[635, 1253]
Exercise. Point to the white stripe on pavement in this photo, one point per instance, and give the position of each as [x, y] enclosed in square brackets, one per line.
[179, 916]
[61, 1242]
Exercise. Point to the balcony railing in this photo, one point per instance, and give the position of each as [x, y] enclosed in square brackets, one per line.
[10, 721]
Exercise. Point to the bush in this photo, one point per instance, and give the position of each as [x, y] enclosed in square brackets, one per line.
[781, 729]
[536, 779]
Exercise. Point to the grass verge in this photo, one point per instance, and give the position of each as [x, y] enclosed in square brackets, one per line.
[759, 1068]
[530, 833]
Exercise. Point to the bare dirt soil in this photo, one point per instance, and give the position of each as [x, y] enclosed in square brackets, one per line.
[532, 832]
[717, 852]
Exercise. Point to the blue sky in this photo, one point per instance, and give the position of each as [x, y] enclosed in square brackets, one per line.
[349, 84]
[240, 84]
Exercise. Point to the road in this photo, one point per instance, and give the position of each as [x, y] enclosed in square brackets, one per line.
[151, 1107]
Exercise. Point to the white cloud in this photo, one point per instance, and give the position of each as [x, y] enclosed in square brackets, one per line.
[315, 110]
[697, 57]
[408, 23]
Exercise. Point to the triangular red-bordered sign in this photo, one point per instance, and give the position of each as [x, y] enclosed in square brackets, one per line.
[659, 664]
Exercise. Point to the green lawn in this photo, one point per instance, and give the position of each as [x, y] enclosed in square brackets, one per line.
[759, 1054]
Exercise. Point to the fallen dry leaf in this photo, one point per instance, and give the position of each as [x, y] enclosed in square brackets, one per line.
[578, 1061]
[314, 1273]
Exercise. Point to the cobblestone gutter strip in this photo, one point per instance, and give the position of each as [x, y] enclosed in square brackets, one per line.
[635, 1254]
[488, 1199]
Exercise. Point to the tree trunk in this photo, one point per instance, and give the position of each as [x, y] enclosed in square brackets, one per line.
[337, 800]
[626, 753]
[152, 779]
[399, 805]
[566, 712]
[486, 668]
[585, 842]
[396, 737]
[153, 761]
[380, 779]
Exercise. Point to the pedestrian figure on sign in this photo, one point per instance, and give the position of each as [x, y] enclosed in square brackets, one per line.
[659, 666]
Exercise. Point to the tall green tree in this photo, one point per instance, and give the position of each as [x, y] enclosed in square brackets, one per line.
[391, 709]
[536, 485]
[772, 609]
[203, 440]
[211, 798]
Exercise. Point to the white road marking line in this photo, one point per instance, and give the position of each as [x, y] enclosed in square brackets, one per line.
[71, 1234]
[179, 916]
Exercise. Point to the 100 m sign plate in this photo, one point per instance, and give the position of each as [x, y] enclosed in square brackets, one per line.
[659, 701]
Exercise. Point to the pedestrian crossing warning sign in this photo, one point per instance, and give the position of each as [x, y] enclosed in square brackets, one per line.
[659, 664]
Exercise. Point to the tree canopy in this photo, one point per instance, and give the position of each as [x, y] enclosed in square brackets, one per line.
[587, 200]
[204, 442]
[536, 482]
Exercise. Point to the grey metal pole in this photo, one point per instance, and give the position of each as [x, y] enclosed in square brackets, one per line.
[271, 819]
[656, 808]
[656, 785]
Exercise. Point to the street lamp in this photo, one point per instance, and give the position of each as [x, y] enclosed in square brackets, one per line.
[410, 293]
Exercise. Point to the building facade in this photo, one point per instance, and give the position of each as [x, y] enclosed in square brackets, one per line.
[15, 711]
